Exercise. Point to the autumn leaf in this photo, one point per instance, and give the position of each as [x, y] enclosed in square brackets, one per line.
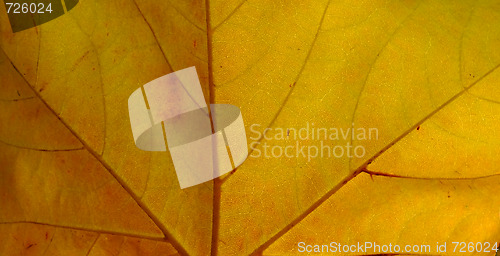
[37, 239]
[424, 74]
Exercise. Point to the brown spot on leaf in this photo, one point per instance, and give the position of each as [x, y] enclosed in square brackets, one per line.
[81, 59]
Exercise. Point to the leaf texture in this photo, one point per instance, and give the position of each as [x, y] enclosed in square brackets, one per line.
[423, 73]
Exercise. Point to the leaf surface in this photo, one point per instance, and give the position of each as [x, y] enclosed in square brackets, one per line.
[423, 73]
[37, 239]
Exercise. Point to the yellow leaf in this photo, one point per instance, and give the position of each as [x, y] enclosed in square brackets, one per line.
[388, 65]
[37, 239]
[400, 211]
[422, 74]
[83, 68]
